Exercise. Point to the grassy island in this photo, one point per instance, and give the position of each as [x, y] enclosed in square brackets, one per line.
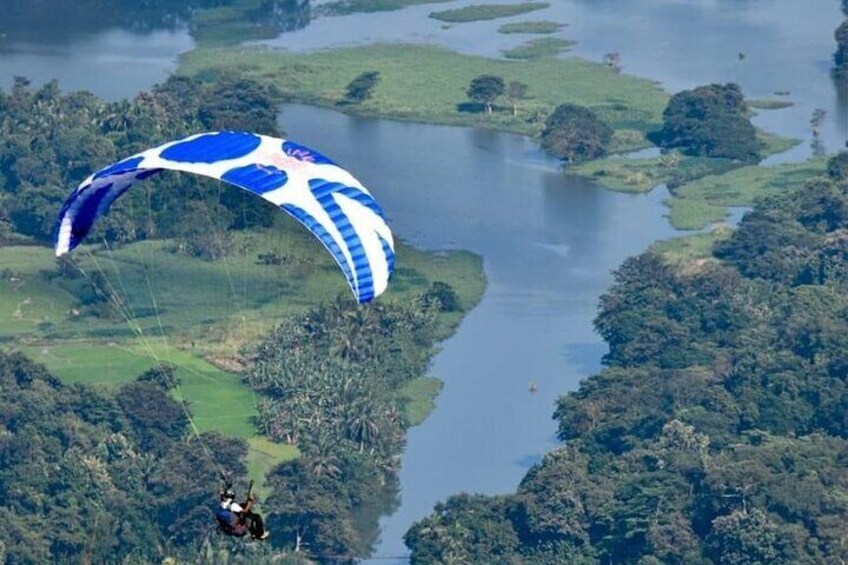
[539, 48]
[428, 84]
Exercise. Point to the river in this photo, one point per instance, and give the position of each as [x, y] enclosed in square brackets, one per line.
[549, 241]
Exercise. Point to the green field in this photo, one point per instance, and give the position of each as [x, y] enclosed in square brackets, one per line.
[204, 387]
[207, 308]
[428, 84]
[642, 175]
[418, 398]
[481, 12]
[693, 250]
[27, 302]
[705, 201]
[675, 169]
[264, 455]
[539, 48]
[193, 314]
[210, 307]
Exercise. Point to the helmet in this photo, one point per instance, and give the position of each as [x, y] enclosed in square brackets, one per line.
[228, 494]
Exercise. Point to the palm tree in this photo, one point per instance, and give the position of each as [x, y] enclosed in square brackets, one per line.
[363, 426]
[322, 458]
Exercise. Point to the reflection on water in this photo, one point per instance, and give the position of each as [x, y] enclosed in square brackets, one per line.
[284, 15]
[59, 22]
[115, 48]
[113, 64]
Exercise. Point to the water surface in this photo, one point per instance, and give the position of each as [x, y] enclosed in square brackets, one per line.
[114, 63]
[549, 243]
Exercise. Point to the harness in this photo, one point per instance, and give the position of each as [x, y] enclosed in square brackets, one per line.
[229, 522]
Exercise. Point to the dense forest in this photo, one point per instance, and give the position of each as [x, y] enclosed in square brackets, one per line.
[89, 476]
[716, 434]
[329, 381]
[52, 140]
[96, 475]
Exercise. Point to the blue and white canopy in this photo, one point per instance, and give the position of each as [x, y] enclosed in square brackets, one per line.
[324, 197]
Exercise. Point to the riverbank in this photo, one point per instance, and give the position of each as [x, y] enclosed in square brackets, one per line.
[427, 84]
[201, 333]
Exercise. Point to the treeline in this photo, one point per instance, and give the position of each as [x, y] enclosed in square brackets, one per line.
[707, 121]
[330, 381]
[90, 476]
[717, 433]
[50, 141]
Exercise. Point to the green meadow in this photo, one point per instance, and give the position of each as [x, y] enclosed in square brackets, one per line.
[162, 307]
[702, 188]
[428, 84]
[264, 455]
[705, 201]
[418, 398]
[539, 48]
[692, 250]
[204, 387]
[643, 174]
[28, 303]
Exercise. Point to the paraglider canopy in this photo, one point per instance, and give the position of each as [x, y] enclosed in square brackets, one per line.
[322, 196]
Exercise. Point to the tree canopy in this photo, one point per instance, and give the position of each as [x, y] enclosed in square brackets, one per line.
[837, 167]
[574, 133]
[717, 432]
[90, 476]
[362, 87]
[329, 382]
[709, 121]
[51, 141]
[485, 89]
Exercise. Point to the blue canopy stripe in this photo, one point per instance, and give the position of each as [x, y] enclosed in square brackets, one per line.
[324, 197]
